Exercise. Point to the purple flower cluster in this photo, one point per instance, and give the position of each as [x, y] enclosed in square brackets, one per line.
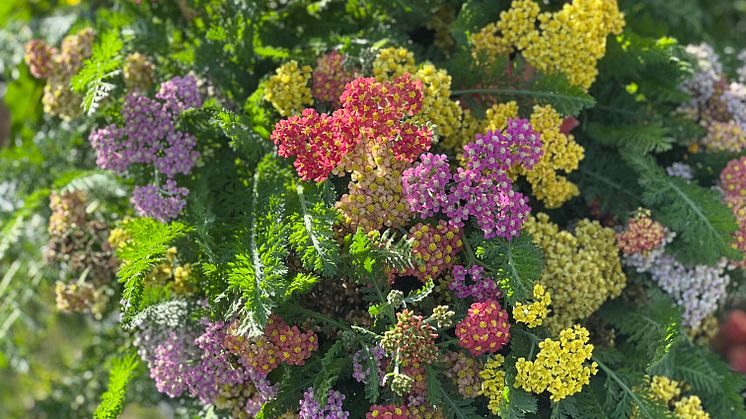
[425, 184]
[170, 365]
[482, 189]
[149, 137]
[163, 204]
[361, 373]
[698, 290]
[203, 367]
[480, 289]
[311, 409]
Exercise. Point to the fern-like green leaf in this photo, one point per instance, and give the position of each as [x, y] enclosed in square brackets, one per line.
[149, 240]
[637, 139]
[122, 371]
[519, 262]
[105, 62]
[704, 225]
[312, 235]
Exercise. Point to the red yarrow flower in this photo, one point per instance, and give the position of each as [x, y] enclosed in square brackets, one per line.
[485, 328]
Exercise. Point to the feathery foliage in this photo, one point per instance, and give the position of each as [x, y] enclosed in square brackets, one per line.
[122, 371]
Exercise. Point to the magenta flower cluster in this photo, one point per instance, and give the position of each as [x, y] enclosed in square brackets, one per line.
[311, 409]
[479, 288]
[149, 137]
[482, 189]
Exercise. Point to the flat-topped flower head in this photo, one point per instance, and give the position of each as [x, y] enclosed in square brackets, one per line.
[485, 329]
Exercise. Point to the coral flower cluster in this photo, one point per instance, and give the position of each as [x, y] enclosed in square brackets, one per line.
[280, 343]
[411, 340]
[641, 235]
[485, 328]
[560, 366]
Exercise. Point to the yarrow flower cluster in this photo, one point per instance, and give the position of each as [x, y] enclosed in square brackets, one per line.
[280, 343]
[388, 411]
[330, 78]
[559, 367]
[493, 382]
[718, 106]
[464, 371]
[560, 152]
[311, 409]
[435, 247]
[485, 328]
[480, 289]
[668, 391]
[641, 235]
[288, 89]
[59, 67]
[533, 314]
[482, 188]
[138, 72]
[698, 289]
[197, 363]
[581, 270]
[149, 137]
[569, 41]
[79, 249]
[411, 339]
[733, 184]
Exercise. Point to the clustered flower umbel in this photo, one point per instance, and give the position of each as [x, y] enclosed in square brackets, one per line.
[485, 328]
[149, 137]
[479, 288]
[699, 290]
[411, 340]
[581, 270]
[330, 78]
[197, 362]
[493, 382]
[362, 374]
[138, 72]
[387, 411]
[280, 343]
[560, 152]
[464, 370]
[533, 314]
[641, 235]
[288, 89]
[668, 391]
[78, 246]
[733, 184]
[311, 409]
[371, 137]
[482, 188]
[435, 247]
[560, 366]
[59, 67]
[569, 41]
[718, 106]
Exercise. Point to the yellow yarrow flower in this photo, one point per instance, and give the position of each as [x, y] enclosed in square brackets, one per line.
[690, 408]
[559, 367]
[493, 382]
[581, 271]
[288, 89]
[533, 314]
[664, 388]
[568, 41]
[391, 63]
